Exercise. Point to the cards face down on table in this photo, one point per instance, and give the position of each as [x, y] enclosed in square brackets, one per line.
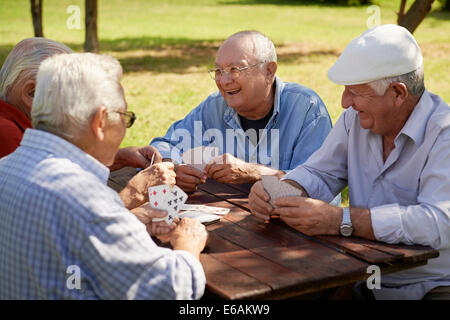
[173, 200]
[279, 189]
[199, 157]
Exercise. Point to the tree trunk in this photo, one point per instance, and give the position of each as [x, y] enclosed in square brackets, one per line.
[415, 14]
[36, 14]
[91, 41]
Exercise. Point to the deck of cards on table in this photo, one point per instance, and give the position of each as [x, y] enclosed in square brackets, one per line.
[279, 189]
[173, 200]
[199, 157]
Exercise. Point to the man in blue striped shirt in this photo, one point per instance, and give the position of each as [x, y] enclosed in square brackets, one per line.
[63, 233]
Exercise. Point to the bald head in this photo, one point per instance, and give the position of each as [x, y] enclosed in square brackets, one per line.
[253, 44]
[20, 69]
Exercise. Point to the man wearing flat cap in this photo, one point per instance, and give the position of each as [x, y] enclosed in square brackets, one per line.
[391, 146]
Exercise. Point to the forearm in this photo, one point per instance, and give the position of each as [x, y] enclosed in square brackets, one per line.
[362, 223]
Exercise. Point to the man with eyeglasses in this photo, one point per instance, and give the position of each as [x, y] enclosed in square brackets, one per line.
[17, 85]
[260, 124]
[57, 213]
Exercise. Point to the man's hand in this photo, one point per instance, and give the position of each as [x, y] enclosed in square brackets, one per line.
[188, 178]
[228, 169]
[309, 216]
[145, 213]
[258, 200]
[135, 192]
[189, 235]
[136, 157]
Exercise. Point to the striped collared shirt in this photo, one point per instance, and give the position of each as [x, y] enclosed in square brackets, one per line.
[65, 235]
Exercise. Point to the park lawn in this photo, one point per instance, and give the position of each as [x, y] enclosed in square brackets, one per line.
[166, 47]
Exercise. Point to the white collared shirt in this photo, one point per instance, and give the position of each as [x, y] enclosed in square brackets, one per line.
[408, 195]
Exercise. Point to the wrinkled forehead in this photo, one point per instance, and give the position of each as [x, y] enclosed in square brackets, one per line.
[236, 51]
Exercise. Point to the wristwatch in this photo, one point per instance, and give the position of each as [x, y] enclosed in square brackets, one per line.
[346, 228]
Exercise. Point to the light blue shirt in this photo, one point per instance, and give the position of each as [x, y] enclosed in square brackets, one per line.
[408, 195]
[298, 126]
[59, 220]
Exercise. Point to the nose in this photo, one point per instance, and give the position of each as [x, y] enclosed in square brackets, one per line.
[347, 99]
[225, 78]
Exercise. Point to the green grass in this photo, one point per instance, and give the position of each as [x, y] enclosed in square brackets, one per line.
[165, 47]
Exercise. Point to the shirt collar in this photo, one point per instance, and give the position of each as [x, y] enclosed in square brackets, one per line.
[58, 147]
[230, 113]
[416, 124]
[15, 115]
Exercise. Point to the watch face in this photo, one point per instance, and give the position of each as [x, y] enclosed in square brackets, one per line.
[346, 230]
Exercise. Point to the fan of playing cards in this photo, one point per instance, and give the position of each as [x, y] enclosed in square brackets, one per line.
[172, 200]
[279, 189]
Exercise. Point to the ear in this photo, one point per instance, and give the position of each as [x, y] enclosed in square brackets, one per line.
[400, 93]
[271, 69]
[27, 94]
[98, 123]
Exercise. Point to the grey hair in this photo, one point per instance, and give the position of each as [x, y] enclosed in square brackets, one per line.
[264, 49]
[70, 88]
[23, 61]
[413, 80]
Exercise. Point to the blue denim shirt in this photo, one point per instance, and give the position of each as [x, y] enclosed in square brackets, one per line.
[298, 126]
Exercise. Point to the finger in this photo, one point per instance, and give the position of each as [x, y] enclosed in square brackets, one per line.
[191, 171]
[288, 212]
[258, 190]
[260, 205]
[222, 173]
[289, 201]
[213, 169]
[260, 215]
[187, 179]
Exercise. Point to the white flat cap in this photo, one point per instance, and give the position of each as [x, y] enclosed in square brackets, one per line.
[381, 52]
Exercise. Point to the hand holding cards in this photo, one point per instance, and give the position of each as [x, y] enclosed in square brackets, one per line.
[199, 157]
[279, 189]
[165, 198]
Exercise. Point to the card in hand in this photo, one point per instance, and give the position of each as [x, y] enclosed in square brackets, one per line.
[279, 189]
[162, 197]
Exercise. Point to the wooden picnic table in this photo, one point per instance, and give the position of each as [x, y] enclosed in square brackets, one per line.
[247, 258]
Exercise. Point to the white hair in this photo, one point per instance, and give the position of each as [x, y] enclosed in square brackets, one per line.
[264, 49]
[413, 80]
[70, 88]
[23, 61]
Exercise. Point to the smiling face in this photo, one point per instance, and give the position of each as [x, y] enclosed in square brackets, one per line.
[250, 93]
[376, 113]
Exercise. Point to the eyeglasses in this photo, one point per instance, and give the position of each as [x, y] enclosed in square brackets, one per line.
[130, 117]
[233, 71]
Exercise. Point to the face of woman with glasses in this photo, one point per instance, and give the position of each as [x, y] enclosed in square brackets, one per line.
[246, 90]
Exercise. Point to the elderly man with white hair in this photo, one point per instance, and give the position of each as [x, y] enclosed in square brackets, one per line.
[391, 146]
[64, 234]
[17, 85]
[260, 124]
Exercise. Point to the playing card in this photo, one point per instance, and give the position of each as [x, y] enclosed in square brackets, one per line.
[199, 157]
[215, 210]
[205, 218]
[164, 198]
[192, 207]
[279, 189]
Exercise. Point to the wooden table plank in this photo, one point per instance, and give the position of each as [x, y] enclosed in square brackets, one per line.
[218, 285]
[377, 252]
[226, 192]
